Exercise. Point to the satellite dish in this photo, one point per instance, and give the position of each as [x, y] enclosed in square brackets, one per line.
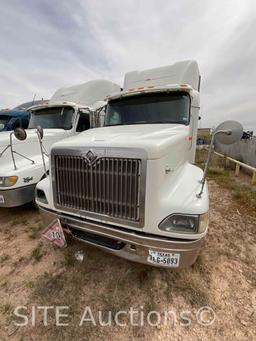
[20, 134]
[40, 131]
[228, 132]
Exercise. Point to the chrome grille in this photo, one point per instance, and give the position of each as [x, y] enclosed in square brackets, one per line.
[108, 186]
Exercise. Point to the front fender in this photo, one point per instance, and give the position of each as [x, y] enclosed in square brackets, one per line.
[171, 193]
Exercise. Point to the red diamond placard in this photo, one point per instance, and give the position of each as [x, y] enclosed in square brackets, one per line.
[55, 234]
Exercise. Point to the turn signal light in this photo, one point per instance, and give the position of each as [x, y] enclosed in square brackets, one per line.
[8, 181]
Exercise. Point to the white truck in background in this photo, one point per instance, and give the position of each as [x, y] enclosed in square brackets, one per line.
[69, 112]
[131, 187]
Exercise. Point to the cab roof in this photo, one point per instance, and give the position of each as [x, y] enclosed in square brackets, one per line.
[85, 94]
[181, 76]
[184, 72]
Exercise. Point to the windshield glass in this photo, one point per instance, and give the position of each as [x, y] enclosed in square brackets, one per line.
[50, 118]
[148, 109]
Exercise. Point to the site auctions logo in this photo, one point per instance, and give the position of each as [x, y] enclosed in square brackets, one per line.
[205, 316]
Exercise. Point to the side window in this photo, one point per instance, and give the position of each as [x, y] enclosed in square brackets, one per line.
[83, 122]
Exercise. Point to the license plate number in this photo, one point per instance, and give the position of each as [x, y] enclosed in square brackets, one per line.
[164, 258]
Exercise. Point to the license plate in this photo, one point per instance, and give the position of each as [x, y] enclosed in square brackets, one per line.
[55, 234]
[1, 199]
[164, 258]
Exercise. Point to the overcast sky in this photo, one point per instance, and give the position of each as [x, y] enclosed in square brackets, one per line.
[50, 44]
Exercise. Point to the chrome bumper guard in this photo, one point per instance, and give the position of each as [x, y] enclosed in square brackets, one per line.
[135, 244]
[17, 196]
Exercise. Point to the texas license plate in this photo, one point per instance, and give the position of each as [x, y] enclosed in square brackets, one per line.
[164, 258]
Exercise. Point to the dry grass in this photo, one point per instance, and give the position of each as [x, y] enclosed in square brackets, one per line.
[6, 308]
[246, 196]
[243, 194]
[37, 273]
[34, 230]
[37, 253]
[4, 258]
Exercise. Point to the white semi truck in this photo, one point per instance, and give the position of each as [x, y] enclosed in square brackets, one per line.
[70, 111]
[130, 187]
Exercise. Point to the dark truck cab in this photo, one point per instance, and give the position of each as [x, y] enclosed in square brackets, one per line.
[12, 119]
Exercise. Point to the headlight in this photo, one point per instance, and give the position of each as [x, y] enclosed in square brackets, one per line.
[8, 181]
[185, 223]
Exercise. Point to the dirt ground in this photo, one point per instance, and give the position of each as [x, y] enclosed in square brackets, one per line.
[34, 273]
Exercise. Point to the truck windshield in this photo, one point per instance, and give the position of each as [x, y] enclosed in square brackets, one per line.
[50, 118]
[148, 109]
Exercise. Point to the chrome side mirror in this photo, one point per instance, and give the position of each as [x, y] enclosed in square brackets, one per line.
[20, 134]
[227, 132]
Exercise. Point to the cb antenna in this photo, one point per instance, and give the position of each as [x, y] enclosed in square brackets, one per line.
[34, 99]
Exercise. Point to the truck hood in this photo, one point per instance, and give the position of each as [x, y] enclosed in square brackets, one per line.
[49, 134]
[29, 147]
[155, 139]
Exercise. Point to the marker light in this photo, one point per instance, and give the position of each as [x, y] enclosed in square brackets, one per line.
[184, 86]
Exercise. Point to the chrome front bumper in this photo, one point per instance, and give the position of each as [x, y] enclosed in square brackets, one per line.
[17, 196]
[136, 245]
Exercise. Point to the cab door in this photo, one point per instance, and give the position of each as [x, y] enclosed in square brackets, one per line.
[83, 122]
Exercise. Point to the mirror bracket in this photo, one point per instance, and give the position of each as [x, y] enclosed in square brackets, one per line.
[21, 135]
[40, 134]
